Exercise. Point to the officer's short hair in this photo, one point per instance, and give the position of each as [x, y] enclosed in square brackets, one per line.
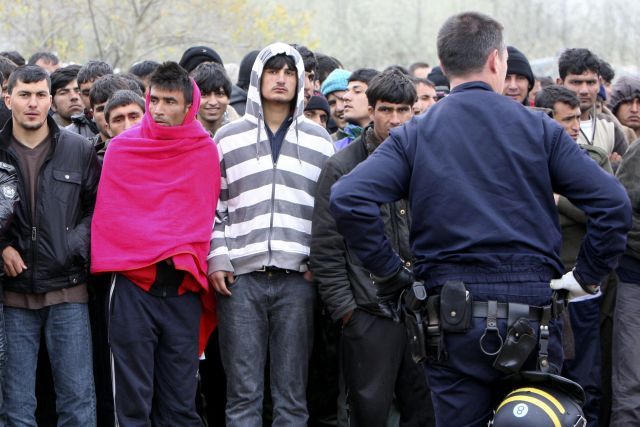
[391, 86]
[548, 97]
[466, 40]
[106, 86]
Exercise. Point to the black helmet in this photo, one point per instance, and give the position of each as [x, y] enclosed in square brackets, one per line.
[540, 400]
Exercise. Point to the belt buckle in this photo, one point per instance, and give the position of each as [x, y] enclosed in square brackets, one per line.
[262, 269]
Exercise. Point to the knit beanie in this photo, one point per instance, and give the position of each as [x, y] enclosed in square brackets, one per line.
[517, 63]
[437, 77]
[246, 65]
[335, 81]
[196, 55]
[318, 103]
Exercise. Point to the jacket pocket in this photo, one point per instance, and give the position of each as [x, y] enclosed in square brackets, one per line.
[66, 185]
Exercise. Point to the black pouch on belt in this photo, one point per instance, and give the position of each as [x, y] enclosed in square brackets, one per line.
[520, 342]
[455, 307]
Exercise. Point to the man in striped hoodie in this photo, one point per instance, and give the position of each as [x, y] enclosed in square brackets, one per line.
[270, 161]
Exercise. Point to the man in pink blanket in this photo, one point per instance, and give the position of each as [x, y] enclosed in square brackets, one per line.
[152, 226]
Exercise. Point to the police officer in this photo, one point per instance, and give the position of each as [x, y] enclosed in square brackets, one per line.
[480, 173]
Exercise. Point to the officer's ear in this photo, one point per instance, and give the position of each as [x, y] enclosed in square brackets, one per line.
[371, 110]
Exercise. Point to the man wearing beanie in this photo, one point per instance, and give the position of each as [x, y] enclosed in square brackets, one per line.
[196, 55]
[520, 80]
[625, 102]
[317, 110]
[333, 88]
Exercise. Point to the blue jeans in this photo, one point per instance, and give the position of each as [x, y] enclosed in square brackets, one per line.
[68, 339]
[267, 313]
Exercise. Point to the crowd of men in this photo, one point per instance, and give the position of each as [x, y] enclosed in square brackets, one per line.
[187, 251]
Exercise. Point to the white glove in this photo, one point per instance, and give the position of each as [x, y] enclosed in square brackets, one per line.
[569, 282]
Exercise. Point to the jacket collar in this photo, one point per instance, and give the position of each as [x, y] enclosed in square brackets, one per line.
[7, 132]
[471, 86]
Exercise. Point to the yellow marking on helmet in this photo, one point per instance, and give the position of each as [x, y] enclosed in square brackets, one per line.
[537, 402]
[544, 394]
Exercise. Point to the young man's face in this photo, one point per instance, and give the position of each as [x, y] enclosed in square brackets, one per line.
[585, 85]
[123, 117]
[336, 105]
[387, 115]
[213, 106]
[356, 105]
[85, 88]
[67, 102]
[629, 114]
[318, 116]
[568, 117]
[98, 117]
[29, 104]
[426, 98]
[309, 85]
[516, 87]
[279, 86]
[167, 106]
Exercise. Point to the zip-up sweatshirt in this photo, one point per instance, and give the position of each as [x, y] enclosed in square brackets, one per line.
[263, 217]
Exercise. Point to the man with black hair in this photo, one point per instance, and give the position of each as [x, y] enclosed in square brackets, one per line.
[143, 70]
[270, 160]
[160, 307]
[564, 105]
[47, 60]
[356, 107]
[83, 123]
[14, 56]
[582, 362]
[124, 109]
[46, 255]
[310, 70]
[215, 88]
[326, 64]
[99, 94]
[607, 74]
[197, 55]
[426, 91]
[471, 248]
[371, 341]
[579, 71]
[7, 67]
[519, 80]
[66, 94]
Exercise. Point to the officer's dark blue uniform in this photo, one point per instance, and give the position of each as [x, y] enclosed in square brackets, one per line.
[480, 171]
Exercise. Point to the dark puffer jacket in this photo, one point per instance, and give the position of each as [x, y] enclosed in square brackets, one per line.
[343, 284]
[55, 247]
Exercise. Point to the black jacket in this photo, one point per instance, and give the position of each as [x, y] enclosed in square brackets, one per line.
[343, 284]
[56, 247]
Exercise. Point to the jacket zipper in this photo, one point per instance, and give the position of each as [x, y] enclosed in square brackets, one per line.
[273, 207]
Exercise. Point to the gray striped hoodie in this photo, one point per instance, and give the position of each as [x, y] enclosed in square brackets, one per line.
[263, 217]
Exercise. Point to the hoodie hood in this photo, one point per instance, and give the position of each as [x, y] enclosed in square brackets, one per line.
[253, 111]
[625, 89]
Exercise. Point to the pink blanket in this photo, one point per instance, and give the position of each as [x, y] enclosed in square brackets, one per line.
[157, 199]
